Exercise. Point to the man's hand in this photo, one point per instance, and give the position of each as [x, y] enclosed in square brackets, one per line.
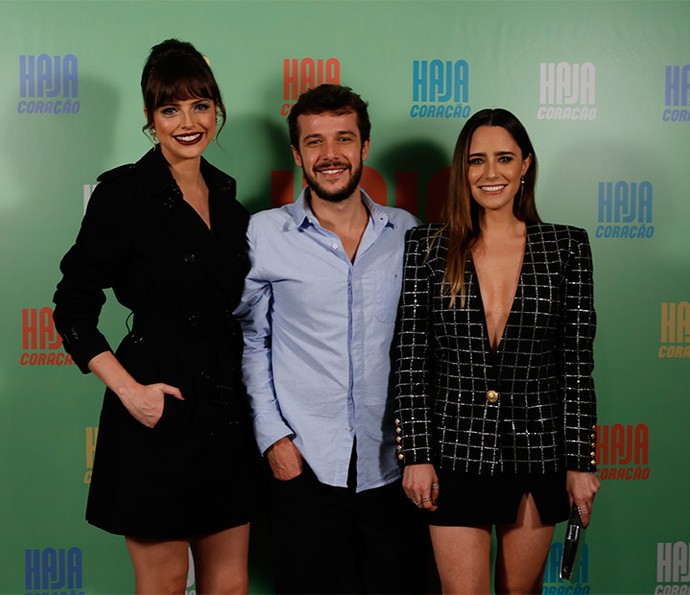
[285, 459]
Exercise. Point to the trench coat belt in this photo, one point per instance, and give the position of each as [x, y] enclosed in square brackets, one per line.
[192, 327]
[228, 388]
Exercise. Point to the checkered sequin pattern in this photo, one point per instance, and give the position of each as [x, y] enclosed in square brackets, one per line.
[528, 407]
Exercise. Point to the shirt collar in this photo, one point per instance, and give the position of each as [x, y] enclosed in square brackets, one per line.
[302, 215]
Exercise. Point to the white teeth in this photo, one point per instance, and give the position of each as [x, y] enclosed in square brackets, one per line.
[331, 171]
[493, 188]
[189, 138]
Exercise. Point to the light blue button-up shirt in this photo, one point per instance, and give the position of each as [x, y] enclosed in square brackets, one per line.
[317, 331]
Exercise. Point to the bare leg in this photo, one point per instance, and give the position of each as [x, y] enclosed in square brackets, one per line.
[522, 551]
[159, 566]
[220, 561]
[463, 558]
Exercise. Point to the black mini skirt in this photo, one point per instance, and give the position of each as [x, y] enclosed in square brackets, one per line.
[466, 500]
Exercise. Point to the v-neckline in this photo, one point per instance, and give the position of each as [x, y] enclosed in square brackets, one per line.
[511, 311]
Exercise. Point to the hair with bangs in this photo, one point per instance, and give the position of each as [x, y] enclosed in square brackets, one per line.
[176, 71]
[461, 211]
[329, 98]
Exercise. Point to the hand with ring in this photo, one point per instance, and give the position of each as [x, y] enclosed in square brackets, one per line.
[420, 483]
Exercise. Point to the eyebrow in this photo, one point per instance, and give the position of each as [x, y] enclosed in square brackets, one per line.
[499, 153]
[320, 135]
[176, 102]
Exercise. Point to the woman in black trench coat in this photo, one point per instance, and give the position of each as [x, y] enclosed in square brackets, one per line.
[175, 455]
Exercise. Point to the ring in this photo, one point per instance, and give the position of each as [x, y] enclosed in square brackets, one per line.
[434, 486]
[426, 499]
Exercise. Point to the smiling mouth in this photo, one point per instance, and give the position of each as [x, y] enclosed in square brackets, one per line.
[188, 139]
[332, 170]
[495, 188]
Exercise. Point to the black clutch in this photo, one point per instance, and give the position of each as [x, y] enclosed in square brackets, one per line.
[572, 545]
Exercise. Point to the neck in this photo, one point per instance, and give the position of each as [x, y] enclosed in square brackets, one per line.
[187, 172]
[500, 223]
[348, 213]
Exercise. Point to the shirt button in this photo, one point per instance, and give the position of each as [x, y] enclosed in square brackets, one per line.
[348, 428]
[334, 246]
[492, 396]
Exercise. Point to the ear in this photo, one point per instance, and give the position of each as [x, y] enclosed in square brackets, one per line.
[296, 156]
[525, 164]
[365, 149]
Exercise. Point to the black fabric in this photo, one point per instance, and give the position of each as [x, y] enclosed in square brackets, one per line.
[344, 542]
[478, 500]
[193, 473]
[543, 416]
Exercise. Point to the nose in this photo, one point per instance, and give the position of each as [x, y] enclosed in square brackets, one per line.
[187, 117]
[328, 149]
[490, 169]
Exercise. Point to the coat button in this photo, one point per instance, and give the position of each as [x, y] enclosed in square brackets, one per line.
[189, 258]
[492, 396]
[401, 457]
[193, 319]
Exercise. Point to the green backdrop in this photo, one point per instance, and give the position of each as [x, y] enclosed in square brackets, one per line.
[602, 87]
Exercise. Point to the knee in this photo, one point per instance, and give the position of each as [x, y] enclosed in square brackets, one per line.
[507, 585]
[236, 583]
[172, 584]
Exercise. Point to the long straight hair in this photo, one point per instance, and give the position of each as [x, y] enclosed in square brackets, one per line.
[461, 211]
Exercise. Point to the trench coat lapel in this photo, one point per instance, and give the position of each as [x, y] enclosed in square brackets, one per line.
[215, 250]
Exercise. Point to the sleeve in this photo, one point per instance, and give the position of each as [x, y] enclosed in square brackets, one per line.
[95, 262]
[575, 357]
[412, 356]
[254, 315]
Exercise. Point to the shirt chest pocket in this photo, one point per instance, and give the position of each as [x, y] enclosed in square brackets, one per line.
[387, 286]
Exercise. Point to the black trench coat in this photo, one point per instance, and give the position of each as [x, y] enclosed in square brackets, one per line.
[193, 473]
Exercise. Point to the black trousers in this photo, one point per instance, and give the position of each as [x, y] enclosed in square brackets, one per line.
[333, 540]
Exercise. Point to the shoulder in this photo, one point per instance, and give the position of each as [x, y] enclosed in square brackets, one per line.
[557, 232]
[117, 173]
[429, 242]
[217, 179]
[559, 242]
[272, 220]
[134, 178]
[424, 233]
[399, 217]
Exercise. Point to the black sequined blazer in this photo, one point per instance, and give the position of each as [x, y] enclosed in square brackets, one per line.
[528, 407]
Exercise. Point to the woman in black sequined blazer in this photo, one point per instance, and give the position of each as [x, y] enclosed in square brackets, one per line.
[495, 399]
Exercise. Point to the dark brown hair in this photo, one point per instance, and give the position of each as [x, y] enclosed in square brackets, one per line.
[175, 70]
[461, 211]
[329, 98]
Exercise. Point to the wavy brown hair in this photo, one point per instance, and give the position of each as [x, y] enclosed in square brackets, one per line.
[461, 211]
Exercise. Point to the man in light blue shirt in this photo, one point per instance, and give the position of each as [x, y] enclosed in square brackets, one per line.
[318, 314]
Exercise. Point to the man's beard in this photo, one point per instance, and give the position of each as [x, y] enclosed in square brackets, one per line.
[338, 195]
